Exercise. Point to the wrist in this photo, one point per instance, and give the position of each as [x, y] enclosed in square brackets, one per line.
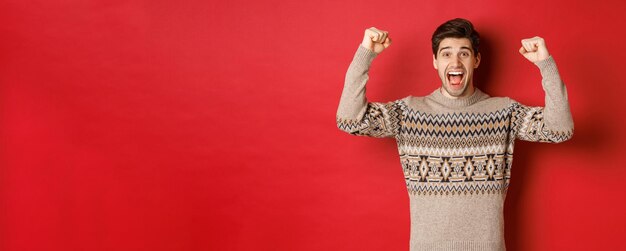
[544, 61]
[370, 51]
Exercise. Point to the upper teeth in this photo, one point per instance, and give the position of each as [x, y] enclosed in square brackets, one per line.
[455, 73]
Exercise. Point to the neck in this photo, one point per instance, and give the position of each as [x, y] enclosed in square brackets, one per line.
[474, 96]
[468, 92]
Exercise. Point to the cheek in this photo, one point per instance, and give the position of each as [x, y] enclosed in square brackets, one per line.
[441, 66]
[441, 72]
[473, 61]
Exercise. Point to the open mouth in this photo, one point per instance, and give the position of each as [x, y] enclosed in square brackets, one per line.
[455, 77]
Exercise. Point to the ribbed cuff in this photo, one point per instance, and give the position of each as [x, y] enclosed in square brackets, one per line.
[548, 68]
[458, 245]
[364, 56]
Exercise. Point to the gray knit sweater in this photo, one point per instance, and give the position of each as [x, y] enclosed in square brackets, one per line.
[456, 154]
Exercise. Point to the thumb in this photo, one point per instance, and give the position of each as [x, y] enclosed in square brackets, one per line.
[387, 42]
[522, 50]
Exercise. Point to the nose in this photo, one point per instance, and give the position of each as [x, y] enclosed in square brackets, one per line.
[456, 60]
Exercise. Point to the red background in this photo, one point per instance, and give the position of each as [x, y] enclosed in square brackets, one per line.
[205, 125]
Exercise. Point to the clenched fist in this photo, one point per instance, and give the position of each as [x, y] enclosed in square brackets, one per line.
[534, 49]
[376, 40]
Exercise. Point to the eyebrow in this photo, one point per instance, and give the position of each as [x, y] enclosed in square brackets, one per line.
[443, 48]
[450, 47]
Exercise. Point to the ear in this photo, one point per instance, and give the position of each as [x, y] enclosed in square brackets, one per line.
[435, 62]
[477, 61]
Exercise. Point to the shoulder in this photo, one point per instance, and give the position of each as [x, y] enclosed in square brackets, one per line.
[411, 99]
[413, 102]
[496, 103]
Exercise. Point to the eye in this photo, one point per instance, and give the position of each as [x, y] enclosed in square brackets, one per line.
[464, 54]
[445, 54]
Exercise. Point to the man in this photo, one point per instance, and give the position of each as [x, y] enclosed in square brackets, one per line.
[456, 144]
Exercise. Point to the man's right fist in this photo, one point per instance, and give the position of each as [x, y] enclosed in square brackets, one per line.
[376, 40]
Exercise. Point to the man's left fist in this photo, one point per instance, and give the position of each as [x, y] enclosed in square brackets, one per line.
[534, 49]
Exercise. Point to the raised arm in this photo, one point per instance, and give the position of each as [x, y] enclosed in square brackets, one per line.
[355, 115]
[552, 123]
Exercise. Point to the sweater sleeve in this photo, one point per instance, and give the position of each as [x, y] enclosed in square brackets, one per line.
[355, 114]
[552, 123]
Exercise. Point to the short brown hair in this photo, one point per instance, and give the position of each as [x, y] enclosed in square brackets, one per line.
[456, 28]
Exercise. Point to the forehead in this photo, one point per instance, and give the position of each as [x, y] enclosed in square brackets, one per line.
[455, 43]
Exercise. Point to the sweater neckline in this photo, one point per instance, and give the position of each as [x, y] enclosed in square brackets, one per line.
[438, 97]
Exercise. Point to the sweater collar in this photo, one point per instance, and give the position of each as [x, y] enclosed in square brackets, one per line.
[438, 97]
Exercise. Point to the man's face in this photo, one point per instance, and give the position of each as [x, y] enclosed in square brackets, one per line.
[455, 64]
